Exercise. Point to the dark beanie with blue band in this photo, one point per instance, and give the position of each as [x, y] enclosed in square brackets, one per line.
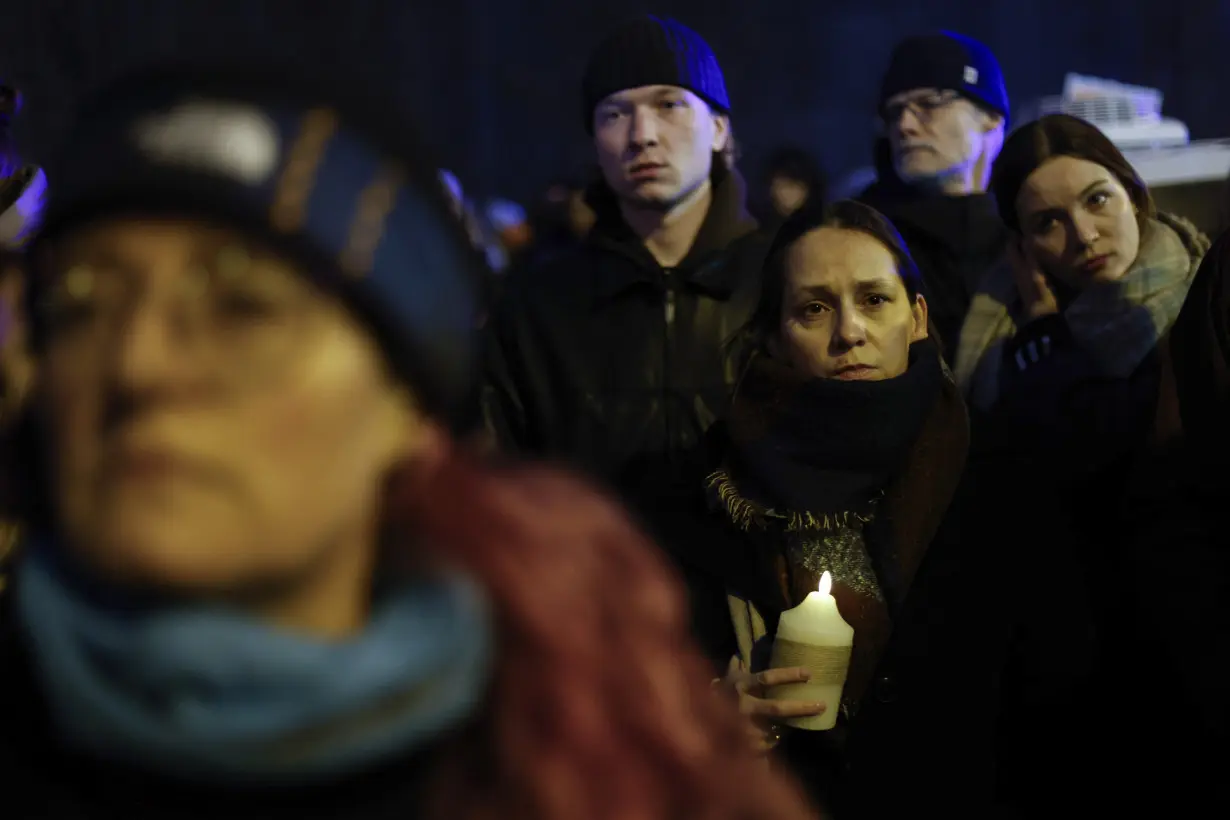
[651, 50]
[345, 194]
[946, 61]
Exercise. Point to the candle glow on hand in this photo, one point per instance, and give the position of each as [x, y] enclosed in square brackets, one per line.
[814, 634]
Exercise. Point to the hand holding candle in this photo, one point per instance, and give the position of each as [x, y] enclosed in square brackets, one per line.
[813, 635]
[766, 716]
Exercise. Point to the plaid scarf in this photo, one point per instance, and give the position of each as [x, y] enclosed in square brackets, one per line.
[1105, 319]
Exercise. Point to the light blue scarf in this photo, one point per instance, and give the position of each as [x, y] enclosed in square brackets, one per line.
[203, 693]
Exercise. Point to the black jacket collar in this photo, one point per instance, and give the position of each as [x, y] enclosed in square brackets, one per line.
[706, 267]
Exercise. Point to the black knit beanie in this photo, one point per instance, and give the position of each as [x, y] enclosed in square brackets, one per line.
[340, 187]
[946, 61]
[652, 50]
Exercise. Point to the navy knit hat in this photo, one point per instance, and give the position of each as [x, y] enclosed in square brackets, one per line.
[652, 50]
[946, 61]
[343, 191]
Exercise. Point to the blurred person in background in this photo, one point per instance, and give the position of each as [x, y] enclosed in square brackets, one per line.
[22, 186]
[944, 109]
[618, 357]
[510, 226]
[23, 189]
[581, 216]
[463, 211]
[477, 227]
[261, 580]
[560, 222]
[793, 179]
[510, 222]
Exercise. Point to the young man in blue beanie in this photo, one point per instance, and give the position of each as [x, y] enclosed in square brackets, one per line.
[617, 357]
[944, 108]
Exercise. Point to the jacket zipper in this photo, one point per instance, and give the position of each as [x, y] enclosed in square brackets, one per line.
[669, 308]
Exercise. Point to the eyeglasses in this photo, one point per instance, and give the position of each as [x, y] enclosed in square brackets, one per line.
[923, 107]
[236, 312]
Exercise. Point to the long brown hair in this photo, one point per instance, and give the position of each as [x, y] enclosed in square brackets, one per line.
[1061, 135]
[601, 707]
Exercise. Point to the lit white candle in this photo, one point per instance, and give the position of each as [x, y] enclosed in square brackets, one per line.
[815, 636]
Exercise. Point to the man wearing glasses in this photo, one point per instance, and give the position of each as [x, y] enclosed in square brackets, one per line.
[944, 109]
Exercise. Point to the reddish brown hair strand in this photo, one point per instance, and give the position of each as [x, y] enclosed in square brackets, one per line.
[600, 706]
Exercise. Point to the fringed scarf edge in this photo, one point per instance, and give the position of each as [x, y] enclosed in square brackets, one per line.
[747, 514]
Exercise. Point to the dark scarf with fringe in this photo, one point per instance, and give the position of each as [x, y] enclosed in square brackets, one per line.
[805, 475]
[821, 450]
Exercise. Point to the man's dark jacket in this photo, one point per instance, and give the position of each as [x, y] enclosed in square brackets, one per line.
[614, 365]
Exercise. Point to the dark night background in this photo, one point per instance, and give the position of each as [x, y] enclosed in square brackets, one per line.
[494, 82]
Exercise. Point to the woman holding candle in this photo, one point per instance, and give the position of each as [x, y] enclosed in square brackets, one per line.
[843, 461]
[261, 579]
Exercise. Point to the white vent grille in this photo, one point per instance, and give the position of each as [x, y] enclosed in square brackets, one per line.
[1099, 111]
[1146, 103]
[1130, 115]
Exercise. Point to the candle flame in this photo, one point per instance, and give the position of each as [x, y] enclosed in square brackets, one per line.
[826, 583]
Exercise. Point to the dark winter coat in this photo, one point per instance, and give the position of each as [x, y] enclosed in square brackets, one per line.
[607, 361]
[954, 240]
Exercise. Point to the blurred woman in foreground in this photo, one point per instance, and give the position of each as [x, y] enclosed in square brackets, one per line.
[259, 580]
